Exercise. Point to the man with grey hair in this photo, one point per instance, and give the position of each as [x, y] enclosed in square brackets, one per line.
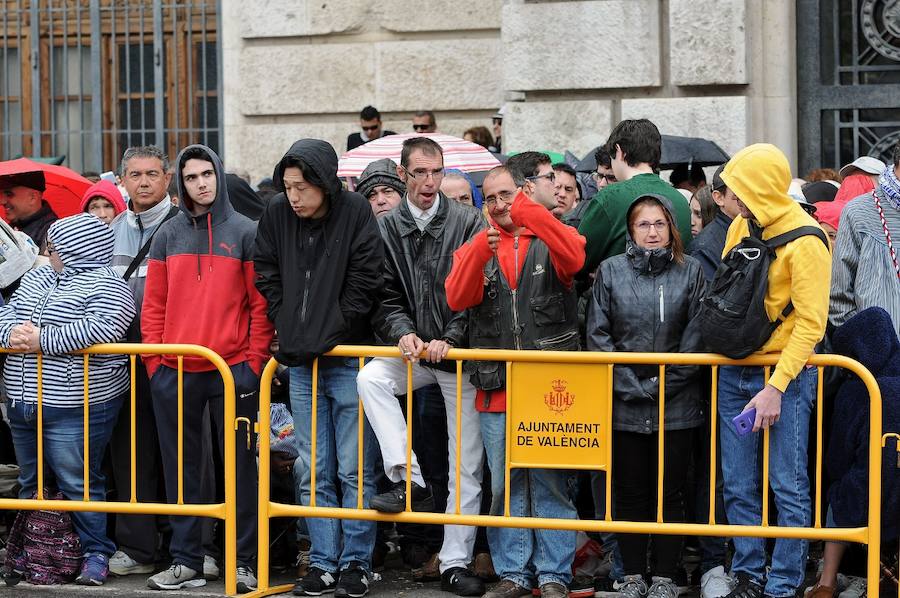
[144, 173]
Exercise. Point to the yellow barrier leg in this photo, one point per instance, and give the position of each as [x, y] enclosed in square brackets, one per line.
[661, 455]
[87, 433]
[360, 448]
[409, 425]
[40, 427]
[713, 453]
[230, 483]
[133, 360]
[262, 514]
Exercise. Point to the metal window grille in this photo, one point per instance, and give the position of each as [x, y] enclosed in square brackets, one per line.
[89, 78]
[848, 80]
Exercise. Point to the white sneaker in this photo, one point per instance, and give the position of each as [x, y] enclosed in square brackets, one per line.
[175, 578]
[210, 568]
[122, 564]
[715, 583]
[856, 587]
[246, 580]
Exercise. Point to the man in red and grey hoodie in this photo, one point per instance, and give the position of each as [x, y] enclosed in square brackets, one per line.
[201, 289]
[516, 279]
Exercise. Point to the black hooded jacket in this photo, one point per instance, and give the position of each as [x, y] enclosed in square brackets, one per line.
[320, 276]
[243, 198]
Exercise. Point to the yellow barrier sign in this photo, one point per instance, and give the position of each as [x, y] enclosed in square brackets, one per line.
[557, 416]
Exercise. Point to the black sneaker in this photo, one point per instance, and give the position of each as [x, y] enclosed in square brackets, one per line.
[461, 582]
[394, 500]
[354, 582]
[745, 588]
[316, 583]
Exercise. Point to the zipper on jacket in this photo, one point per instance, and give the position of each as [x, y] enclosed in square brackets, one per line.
[515, 311]
[306, 287]
[662, 305]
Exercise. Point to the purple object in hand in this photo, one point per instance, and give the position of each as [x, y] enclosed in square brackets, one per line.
[743, 423]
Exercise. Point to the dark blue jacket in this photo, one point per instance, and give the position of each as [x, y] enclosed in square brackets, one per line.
[707, 247]
[868, 337]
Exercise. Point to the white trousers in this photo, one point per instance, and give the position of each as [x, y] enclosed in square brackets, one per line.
[379, 382]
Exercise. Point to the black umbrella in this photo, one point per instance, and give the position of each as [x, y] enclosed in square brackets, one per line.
[675, 150]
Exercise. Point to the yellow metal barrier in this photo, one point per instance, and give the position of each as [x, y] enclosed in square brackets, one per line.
[225, 511]
[869, 534]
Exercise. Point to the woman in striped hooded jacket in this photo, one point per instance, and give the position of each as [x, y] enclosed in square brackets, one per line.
[74, 302]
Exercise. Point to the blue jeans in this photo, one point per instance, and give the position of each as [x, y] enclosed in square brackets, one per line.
[741, 469]
[335, 543]
[521, 554]
[64, 456]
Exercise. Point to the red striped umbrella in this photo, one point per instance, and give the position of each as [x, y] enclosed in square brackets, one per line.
[458, 153]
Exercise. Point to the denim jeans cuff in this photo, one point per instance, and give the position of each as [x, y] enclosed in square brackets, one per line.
[324, 567]
[553, 578]
[519, 580]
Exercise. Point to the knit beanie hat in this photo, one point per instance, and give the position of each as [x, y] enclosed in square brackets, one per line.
[380, 172]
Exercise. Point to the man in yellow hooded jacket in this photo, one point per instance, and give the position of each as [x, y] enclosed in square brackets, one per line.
[759, 176]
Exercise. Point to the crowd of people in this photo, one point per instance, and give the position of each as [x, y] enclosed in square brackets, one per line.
[538, 256]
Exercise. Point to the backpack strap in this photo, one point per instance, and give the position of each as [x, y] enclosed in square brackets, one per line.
[142, 253]
[791, 235]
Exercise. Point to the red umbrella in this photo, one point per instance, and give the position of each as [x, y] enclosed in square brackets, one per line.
[64, 186]
[458, 153]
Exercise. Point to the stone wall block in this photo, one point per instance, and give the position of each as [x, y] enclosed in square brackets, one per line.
[578, 126]
[292, 18]
[590, 44]
[708, 42]
[438, 15]
[723, 119]
[306, 79]
[438, 75]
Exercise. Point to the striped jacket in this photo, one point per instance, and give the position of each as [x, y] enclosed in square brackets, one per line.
[85, 304]
[862, 273]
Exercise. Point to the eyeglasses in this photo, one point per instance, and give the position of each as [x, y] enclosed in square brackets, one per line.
[372, 128]
[610, 178]
[497, 121]
[422, 175]
[51, 248]
[550, 175]
[644, 226]
[506, 196]
[421, 127]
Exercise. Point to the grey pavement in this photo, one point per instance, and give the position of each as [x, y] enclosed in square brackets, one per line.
[394, 583]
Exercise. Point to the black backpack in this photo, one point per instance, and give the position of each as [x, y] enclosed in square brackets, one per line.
[733, 319]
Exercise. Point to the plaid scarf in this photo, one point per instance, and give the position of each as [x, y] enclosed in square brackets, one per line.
[890, 187]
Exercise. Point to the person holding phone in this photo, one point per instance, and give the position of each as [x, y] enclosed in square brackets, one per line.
[647, 300]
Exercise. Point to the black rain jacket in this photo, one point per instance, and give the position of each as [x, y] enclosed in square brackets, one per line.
[415, 267]
[320, 276]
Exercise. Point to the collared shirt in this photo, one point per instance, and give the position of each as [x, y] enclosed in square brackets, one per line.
[423, 217]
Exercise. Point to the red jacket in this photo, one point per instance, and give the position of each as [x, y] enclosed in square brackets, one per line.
[465, 283]
[201, 288]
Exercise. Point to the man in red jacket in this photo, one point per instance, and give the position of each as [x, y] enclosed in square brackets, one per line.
[510, 277]
[201, 289]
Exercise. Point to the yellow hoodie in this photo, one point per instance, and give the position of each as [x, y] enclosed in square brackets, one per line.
[759, 175]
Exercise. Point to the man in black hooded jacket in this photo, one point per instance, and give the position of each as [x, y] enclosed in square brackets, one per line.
[318, 261]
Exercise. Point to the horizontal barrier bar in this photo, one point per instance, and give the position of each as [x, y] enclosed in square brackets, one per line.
[216, 511]
[856, 534]
[587, 357]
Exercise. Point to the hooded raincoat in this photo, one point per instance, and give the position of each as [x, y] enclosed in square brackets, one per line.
[759, 176]
[321, 276]
[200, 283]
[85, 304]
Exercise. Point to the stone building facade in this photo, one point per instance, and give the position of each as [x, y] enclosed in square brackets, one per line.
[566, 71]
